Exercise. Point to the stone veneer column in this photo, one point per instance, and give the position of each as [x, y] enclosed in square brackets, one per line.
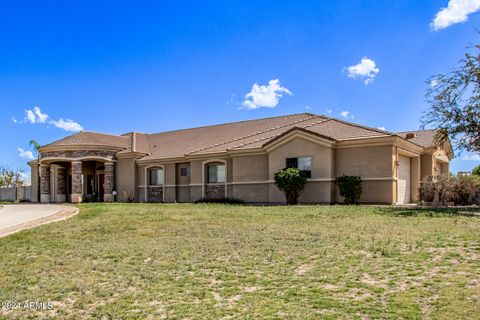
[77, 185]
[45, 183]
[108, 182]
[61, 184]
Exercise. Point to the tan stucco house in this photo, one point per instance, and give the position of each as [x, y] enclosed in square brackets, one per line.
[238, 160]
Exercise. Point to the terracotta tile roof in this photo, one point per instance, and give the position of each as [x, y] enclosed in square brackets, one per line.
[424, 138]
[92, 138]
[230, 136]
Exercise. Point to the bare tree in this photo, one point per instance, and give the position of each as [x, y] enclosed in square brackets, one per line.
[9, 177]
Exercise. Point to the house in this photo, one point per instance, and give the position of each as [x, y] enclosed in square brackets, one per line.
[238, 160]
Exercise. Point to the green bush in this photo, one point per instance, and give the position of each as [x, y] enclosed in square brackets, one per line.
[350, 188]
[476, 171]
[290, 181]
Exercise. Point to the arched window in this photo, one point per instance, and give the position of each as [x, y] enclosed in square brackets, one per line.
[155, 176]
[216, 173]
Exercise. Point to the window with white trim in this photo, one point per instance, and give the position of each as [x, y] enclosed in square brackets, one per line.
[155, 177]
[302, 163]
[215, 173]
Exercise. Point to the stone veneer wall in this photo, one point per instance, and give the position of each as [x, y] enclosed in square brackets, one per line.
[155, 194]
[61, 181]
[77, 187]
[45, 180]
[109, 178]
[78, 154]
[214, 191]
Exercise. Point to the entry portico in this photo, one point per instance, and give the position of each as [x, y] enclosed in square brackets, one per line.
[75, 175]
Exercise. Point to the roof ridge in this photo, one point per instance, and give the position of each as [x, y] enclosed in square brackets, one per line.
[311, 116]
[279, 134]
[362, 126]
[235, 122]
[96, 132]
[412, 131]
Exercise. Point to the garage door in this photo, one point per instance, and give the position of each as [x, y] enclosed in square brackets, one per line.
[403, 180]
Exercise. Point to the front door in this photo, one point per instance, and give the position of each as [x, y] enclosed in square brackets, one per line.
[101, 189]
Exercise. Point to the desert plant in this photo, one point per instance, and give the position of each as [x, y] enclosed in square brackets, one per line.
[461, 190]
[291, 182]
[128, 196]
[466, 190]
[350, 188]
[427, 189]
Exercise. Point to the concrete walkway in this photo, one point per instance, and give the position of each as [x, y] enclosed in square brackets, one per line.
[17, 217]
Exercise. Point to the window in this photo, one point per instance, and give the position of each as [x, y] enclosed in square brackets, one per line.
[216, 173]
[156, 177]
[302, 163]
[185, 172]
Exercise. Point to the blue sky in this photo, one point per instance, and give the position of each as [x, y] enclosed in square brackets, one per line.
[125, 66]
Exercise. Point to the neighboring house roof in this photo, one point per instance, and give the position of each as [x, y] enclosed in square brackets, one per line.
[424, 138]
[243, 135]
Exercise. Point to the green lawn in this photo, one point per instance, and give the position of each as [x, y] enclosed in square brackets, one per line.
[215, 261]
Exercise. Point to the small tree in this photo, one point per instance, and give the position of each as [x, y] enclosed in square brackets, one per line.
[9, 177]
[476, 171]
[290, 181]
[454, 100]
[350, 188]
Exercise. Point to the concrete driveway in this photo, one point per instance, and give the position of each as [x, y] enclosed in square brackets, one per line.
[16, 217]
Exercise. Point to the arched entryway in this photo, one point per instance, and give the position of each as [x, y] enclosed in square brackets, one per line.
[67, 177]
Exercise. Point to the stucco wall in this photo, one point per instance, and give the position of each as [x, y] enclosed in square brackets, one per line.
[426, 166]
[125, 178]
[374, 165]
[248, 169]
[322, 169]
[34, 183]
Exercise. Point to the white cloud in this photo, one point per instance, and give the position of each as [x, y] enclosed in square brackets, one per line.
[457, 11]
[365, 69]
[35, 116]
[25, 154]
[381, 128]
[41, 117]
[329, 111]
[67, 125]
[30, 116]
[265, 96]
[307, 107]
[471, 157]
[346, 114]
[433, 83]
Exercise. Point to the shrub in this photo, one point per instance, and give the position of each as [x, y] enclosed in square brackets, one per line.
[290, 181]
[460, 190]
[128, 196]
[427, 189]
[220, 200]
[350, 188]
[466, 190]
[476, 171]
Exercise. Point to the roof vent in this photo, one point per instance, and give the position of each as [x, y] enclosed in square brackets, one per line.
[410, 135]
